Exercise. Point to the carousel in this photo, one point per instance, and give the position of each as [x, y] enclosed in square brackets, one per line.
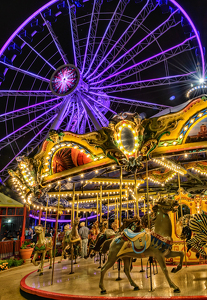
[79, 152]
[140, 183]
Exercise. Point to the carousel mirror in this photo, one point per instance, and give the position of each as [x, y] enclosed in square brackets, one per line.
[127, 139]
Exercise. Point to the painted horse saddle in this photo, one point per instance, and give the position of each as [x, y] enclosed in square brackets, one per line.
[140, 241]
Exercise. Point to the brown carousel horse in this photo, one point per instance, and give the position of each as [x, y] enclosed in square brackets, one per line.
[43, 245]
[100, 238]
[156, 243]
[65, 241]
[75, 242]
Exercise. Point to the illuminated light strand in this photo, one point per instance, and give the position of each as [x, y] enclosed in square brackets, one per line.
[170, 165]
[162, 183]
[195, 89]
[198, 171]
[119, 141]
[61, 145]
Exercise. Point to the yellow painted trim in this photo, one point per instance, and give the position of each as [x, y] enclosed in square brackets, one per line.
[105, 162]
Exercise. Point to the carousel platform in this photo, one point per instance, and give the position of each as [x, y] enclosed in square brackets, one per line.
[84, 283]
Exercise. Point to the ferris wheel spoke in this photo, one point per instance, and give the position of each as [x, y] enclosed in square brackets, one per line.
[99, 103]
[133, 102]
[151, 61]
[75, 121]
[47, 62]
[27, 110]
[71, 118]
[30, 122]
[48, 123]
[176, 79]
[24, 71]
[61, 115]
[22, 133]
[151, 37]
[83, 125]
[55, 40]
[102, 118]
[74, 36]
[79, 117]
[109, 32]
[92, 114]
[127, 34]
[26, 93]
[86, 116]
[67, 110]
[92, 33]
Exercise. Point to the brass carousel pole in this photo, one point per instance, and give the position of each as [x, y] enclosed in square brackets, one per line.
[127, 204]
[181, 211]
[46, 212]
[73, 203]
[150, 258]
[97, 207]
[101, 203]
[147, 181]
[136, 196]
[77, 208]
[181, 214]
[72, 222]
[120, 202]
[56, 229]
[108, 211]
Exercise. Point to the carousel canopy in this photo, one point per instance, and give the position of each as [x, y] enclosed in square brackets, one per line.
[6, 201]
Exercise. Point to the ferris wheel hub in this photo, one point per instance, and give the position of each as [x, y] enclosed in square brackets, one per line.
[64, 80]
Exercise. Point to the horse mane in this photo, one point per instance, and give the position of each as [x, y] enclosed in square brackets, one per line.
[128, 222]
[152, 218]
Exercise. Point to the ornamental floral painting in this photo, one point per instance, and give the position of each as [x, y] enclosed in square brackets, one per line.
[198, 133]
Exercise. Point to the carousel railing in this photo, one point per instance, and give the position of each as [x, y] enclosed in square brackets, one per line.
[9, 248]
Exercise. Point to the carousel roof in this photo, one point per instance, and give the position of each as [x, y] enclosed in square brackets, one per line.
[6, 201]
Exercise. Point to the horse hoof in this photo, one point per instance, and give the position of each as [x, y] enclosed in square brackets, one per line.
[41, 273]
[38, 270]
[177, 290]
[103, 292]
[136, 288]
[173, 270]
[50, 267]
[58, 262]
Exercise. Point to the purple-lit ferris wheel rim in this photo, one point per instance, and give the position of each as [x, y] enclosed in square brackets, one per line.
[41, 9]
[64, 80]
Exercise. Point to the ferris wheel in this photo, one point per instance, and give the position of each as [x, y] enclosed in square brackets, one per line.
[72, 64]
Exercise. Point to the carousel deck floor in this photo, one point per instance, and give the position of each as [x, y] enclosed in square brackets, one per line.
[84, 283]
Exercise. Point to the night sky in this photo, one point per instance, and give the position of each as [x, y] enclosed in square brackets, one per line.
[14, 12]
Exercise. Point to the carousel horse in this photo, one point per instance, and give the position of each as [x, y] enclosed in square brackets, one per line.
[75, 242]
[65, 241]
[43, 245]
[133, 223]
[93, 234]
[156, 243]
[196, 224]
[101, 237]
